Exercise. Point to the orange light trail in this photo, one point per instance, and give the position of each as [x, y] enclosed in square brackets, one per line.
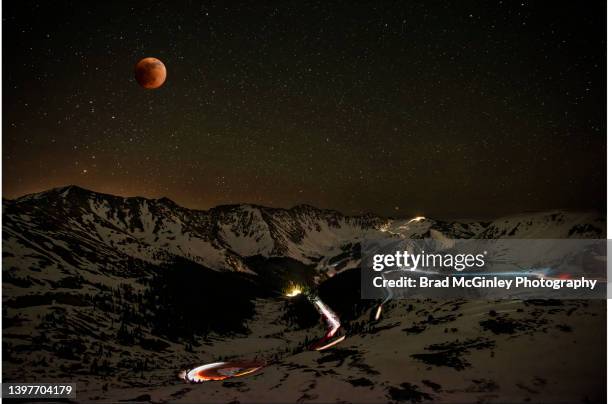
[221, 370]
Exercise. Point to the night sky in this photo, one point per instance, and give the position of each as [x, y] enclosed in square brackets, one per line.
[468, 109]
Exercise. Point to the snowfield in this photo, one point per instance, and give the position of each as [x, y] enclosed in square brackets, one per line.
[120, 294]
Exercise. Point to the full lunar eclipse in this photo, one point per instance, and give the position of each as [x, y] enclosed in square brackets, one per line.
[150, 73]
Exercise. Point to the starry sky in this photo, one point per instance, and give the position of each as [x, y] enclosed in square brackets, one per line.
[448, 109]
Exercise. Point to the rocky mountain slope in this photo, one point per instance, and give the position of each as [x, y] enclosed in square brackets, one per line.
[73, 229]
[120, 293]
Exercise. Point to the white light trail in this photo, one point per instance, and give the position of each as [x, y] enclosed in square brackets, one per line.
[331, 318]
[193, 376]
[417, 219]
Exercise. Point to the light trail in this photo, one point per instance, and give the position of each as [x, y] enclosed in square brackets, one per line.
[332, 336]
[331, 344]
[220, 371]
[331, 319]
[417, 219]
[378, 312]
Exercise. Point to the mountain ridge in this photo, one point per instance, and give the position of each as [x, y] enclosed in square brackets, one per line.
[155, 230]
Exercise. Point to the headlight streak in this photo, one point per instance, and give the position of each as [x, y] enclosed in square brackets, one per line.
[378, 312]
[331, 344]
[330, 317]
[220, 371]
[333, 335]
[417, 219]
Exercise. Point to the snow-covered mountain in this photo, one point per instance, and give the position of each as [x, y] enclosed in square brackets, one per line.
[107, 291]
[73, 229]
[71, 226]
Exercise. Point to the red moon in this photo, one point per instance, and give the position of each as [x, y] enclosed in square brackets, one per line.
[150, 73]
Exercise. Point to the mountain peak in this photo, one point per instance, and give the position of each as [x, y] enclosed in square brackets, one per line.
[55, 192]
[166, 201]
[74, 189]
